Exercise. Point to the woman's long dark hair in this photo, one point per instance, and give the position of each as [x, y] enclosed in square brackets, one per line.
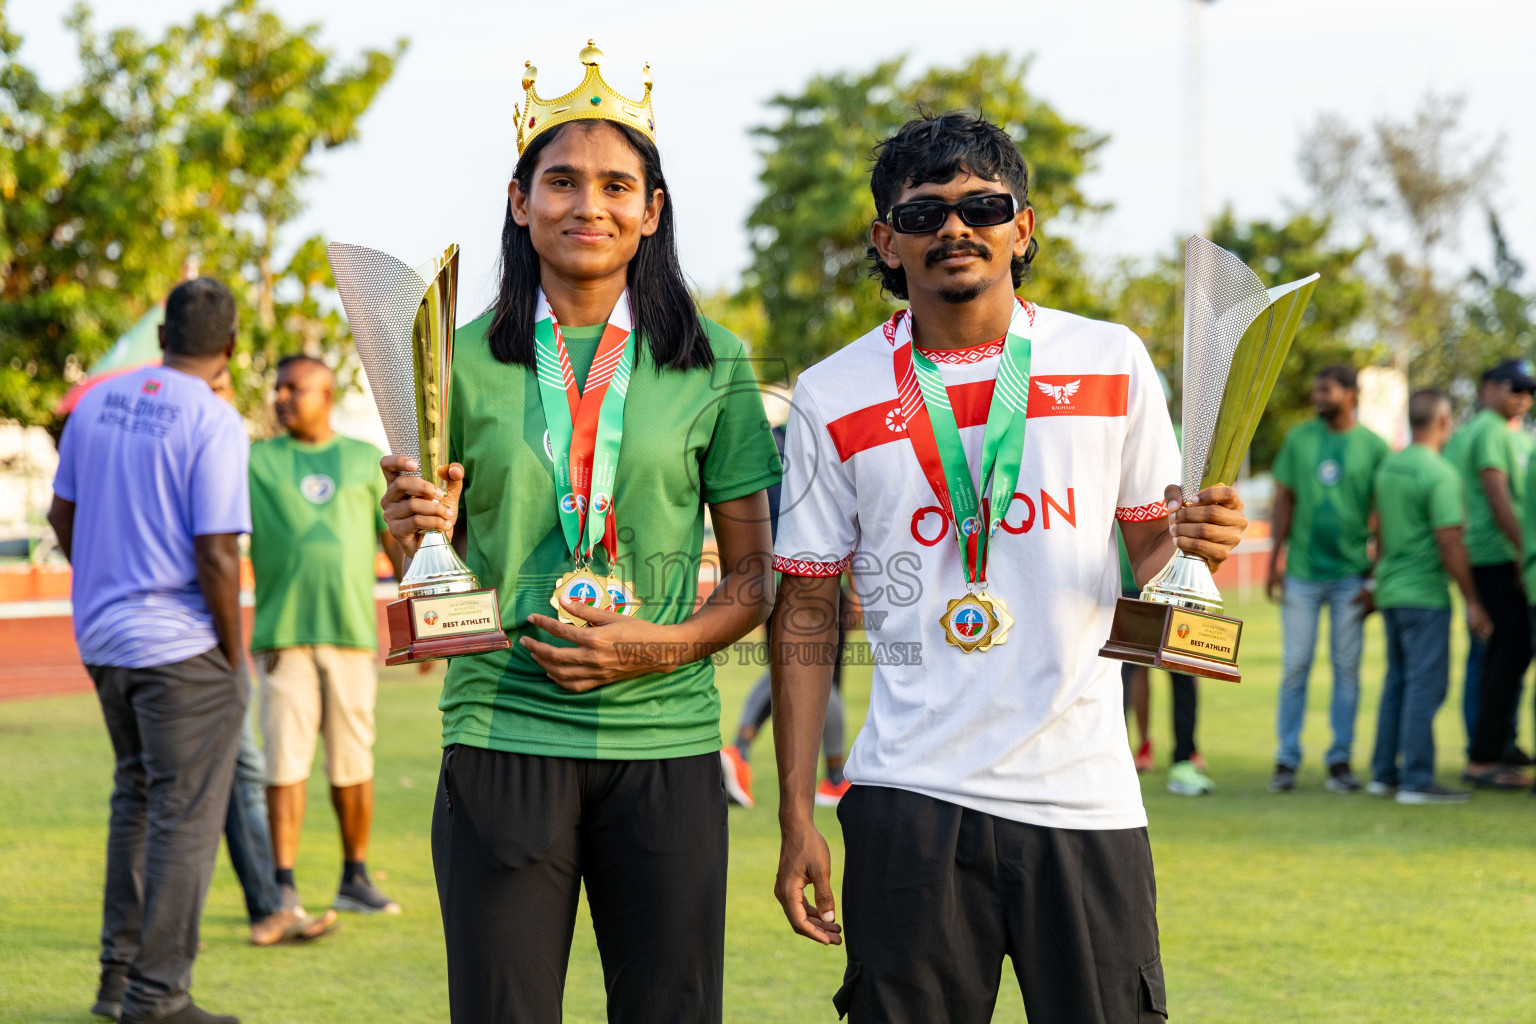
[664, 311]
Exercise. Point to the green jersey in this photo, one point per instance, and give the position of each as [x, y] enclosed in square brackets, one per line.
[1331, 473]
[690, 437]
[315, 522]
[1488, 442]
[1417, 493]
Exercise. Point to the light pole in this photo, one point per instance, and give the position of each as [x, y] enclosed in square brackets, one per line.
[1195, 107]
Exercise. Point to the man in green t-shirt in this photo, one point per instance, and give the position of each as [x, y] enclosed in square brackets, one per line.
[1490, 454]
[316, 524]
[1420, 514]
[1323, 483]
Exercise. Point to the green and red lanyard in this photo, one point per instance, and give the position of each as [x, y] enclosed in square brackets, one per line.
[585, 427]
[936, 439]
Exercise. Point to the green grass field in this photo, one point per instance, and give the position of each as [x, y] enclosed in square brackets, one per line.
[1304, 907]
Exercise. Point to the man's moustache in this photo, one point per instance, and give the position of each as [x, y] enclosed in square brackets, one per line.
[944, 252]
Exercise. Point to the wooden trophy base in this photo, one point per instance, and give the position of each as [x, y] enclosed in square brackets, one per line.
[1177, 639]
[444, 626]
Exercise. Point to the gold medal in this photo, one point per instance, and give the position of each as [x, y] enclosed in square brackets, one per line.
[1004, 620]
[580, 586]
[621, 596]
[976, 622]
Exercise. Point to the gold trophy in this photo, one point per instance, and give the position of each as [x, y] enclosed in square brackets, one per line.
[402, 321]
[1236, 336]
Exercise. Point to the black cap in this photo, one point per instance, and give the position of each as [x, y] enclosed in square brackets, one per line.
[1517, 373]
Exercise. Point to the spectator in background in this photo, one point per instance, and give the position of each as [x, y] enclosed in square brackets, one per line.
[1420, 511]
[149, 504]
[1472, 673]
[315, 506]
[1492, 463]
[1490, 391]
[245, 826]
[1323, 483]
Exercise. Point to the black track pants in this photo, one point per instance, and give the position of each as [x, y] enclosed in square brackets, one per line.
[935, 895]
[514, 836]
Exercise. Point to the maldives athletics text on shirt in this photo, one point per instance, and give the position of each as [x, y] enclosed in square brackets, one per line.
[1033, 729]
[691, 438]
[152, 459]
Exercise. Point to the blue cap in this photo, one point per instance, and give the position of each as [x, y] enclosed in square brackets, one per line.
[1519, 374]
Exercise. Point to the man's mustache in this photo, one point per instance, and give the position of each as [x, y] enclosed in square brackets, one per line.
[948, 249]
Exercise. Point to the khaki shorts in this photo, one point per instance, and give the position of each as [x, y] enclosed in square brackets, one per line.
[312, 690]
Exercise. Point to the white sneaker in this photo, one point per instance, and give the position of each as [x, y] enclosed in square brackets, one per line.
[1186, 779]
[1375, 788]
[1432, 795]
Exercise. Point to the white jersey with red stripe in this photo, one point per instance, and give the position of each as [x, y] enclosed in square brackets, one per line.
[1032, 729]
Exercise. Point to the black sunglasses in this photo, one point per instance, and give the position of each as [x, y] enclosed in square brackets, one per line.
[925, 216]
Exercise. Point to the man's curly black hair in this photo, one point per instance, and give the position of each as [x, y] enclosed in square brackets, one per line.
[937, 148]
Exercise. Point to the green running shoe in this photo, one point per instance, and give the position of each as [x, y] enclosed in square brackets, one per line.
[1186, 779]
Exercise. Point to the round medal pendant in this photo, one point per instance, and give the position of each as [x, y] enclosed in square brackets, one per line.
[970, 623]
[621, 596]
[580, 586]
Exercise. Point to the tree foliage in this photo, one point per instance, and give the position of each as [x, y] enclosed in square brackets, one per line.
[1389, 204]
[1496, 309]
[810, 229]
[1406, 188]
[194, 146]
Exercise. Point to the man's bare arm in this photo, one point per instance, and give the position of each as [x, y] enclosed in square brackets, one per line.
[218, 576]
[1453, 555]
[804, 644]
[61, 516]
[393, 553]
[1210, 528]
[1496, 488]
[1281, 516]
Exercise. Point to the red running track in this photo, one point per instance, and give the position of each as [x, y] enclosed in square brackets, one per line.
[40, 658]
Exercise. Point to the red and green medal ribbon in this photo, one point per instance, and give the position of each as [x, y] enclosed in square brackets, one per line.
[936, 440]
[586, 427]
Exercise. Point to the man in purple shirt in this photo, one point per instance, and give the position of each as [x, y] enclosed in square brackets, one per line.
[149, 504]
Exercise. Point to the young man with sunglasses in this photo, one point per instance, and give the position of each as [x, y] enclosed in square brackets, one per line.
[994, 807]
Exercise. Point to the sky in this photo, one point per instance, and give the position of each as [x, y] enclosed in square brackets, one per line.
[438, 146]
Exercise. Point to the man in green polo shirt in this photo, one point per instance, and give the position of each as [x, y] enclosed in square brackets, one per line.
[1324, 478]
[1492, 451]
[1420, 512]
[316, 524]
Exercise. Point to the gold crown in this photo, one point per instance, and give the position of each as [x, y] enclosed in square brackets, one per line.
[592, 98]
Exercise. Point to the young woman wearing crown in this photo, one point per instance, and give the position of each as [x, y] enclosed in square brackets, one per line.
[594, 414]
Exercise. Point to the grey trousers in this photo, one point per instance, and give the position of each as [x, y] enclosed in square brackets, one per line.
[175, 732]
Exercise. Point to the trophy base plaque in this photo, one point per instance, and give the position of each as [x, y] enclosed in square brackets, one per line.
[1177, 639]
[444, 626]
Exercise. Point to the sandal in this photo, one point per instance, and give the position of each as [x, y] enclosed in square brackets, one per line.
[1502, 777]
